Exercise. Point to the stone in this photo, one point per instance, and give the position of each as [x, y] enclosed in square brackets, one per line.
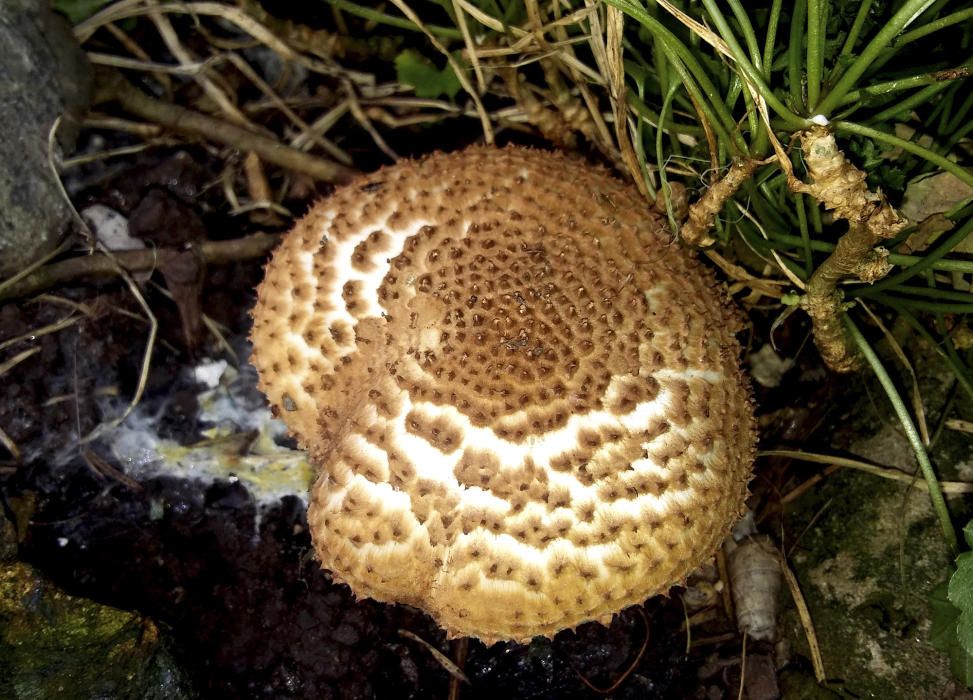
[46, 75]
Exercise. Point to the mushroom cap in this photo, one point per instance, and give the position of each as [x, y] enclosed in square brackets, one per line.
[524, 399]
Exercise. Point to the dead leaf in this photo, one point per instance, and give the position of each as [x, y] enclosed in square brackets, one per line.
[932, 195]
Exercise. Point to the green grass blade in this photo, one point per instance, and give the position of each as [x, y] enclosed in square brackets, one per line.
[902, 412]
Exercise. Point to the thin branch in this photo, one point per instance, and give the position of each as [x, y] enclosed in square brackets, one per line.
[115, 87]
[99, 265]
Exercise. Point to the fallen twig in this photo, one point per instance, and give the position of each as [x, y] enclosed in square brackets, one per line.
[100, 265]
[114, 87]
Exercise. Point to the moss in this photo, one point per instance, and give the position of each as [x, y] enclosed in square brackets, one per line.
[53, 645]
[866, 568]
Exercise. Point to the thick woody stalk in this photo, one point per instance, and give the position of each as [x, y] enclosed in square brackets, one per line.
[696, 230]
[841, 187]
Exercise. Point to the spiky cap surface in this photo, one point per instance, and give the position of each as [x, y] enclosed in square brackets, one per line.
[524, 399]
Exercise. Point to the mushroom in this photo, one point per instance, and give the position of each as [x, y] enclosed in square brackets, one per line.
[524, 399]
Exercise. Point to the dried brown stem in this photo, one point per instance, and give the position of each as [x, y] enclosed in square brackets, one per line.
[99, 265]
[697, 227]
[548, 120]
[841, 187]
[114, 87]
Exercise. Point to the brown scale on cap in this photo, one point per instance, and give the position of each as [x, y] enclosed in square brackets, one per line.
[524, 400]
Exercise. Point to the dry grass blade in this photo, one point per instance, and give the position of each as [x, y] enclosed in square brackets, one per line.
[698, 618]
[69, 163]
[99, 465]
[874, 469]
[261, 205]
[714, 40]
[525, 54]
[767, 287]
[100, 391]
[153, 323]
[146, 357]
[807, 484]
[454, 64]
[794, 279]
[525, 39]
[5, 367]
[171, 39]
[470, 46]
[810, 524]
[78, 306]
[96, 120]
[14, 280]
[631, 667]
[802, 610]
[138, 8]
[17, 359]
[444, 661]
[562, 107]
[321, 125]
[11, 446]
[461, 650]
[212, 326]
[598, 41]
[917, 407]
[686, 626]
[351, 99]
[44, 330]
[963, 426]
[308, 134]
[701, 30]
[107, 15]
[190, 69]
[608, 54]
[726, 593]
[743, 668]
[133, 48]
[488, 21]
[232, 14]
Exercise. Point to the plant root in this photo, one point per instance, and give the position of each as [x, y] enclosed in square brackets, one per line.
[696, 230]
[841, 187]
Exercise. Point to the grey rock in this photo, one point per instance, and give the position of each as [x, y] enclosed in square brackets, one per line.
[46, 75]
